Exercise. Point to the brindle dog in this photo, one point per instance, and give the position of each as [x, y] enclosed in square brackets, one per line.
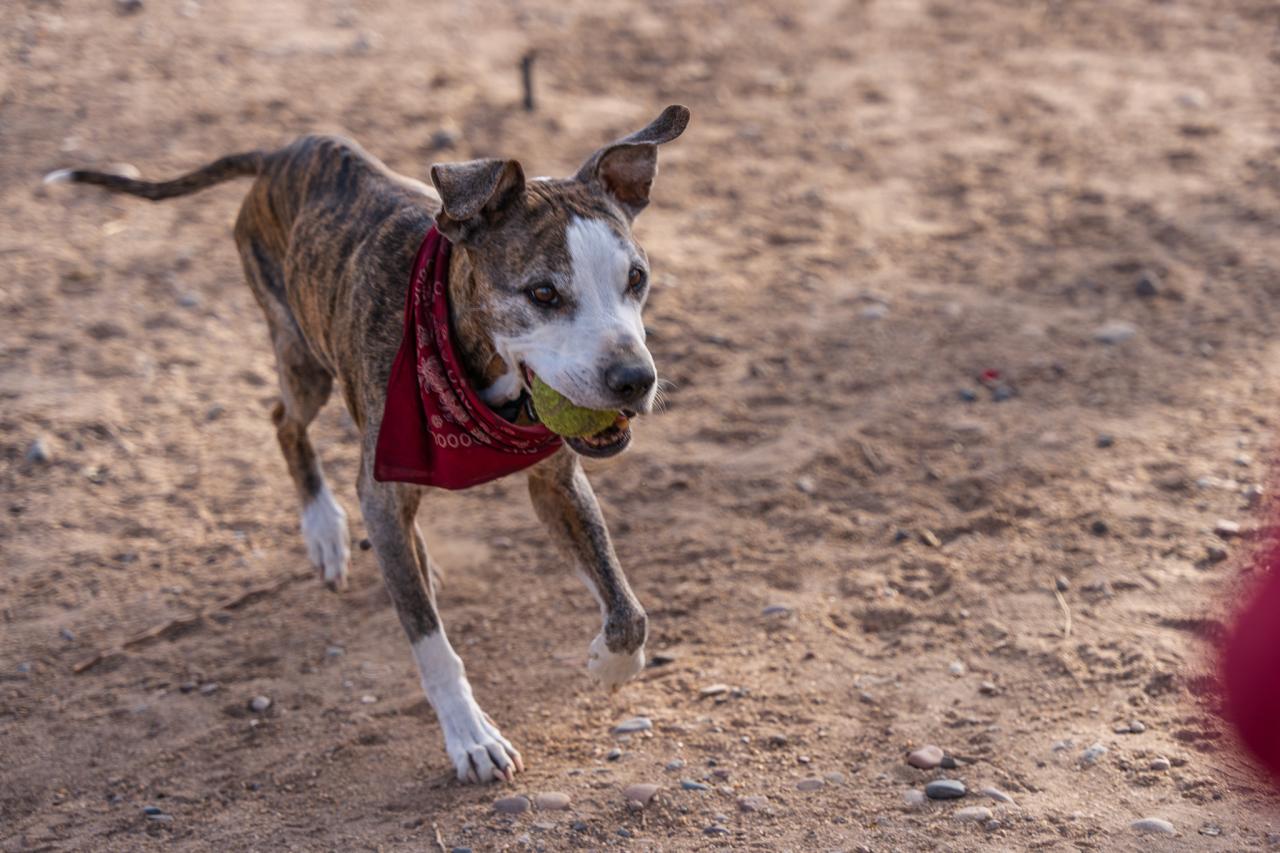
[545, 279]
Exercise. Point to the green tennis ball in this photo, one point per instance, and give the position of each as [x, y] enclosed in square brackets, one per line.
[563, 417]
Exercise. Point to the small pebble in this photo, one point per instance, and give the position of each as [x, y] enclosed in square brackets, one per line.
[152, 810]
[368, 699]
[641, 792]
[915, 798]
[715, 829]
[1116, 332]
[926, 757]
[65, 633]
[987, 688]
[38, 452]
[753, 804]
[956, 668]
[511, 805]
[551, 801]
[977, 814]
[1099, 527]
[675, 764]
[209, 687]
[1093, 754]
[1002, 393]
[810, 784]
[1152, 826]
[1211, 829]
[944, 789]
[1062, 583]
[776, 610]
[806, 485]
[714, 690]
[1226, 529]
[258, 704]
[1215, 554]
[691, 785]
[930, 538]
[613, 754]
[365, 544]
[335, 651]
[948, 763]
[998, 795]
[1159, 764]
[635, 724]
[128, 7]
[1147, 285]
[967, 395]
[874, 312]
[835, 778]
[1105, 440]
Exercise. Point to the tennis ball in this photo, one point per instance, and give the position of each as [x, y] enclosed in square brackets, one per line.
[563, 417]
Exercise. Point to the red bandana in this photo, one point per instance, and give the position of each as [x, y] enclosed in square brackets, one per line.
[435, 430]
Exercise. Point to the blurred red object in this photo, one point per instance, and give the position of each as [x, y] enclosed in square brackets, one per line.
[1251, 670]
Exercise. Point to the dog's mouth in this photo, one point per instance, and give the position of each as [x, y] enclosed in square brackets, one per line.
[609, 441]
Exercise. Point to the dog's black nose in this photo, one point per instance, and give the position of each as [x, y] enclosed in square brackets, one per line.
[630, 381]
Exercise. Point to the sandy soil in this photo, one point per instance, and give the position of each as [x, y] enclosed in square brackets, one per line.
[876, 202]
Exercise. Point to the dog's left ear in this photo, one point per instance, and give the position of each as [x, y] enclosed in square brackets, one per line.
[626, 168]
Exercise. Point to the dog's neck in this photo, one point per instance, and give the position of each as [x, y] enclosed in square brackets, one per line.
[495, 381]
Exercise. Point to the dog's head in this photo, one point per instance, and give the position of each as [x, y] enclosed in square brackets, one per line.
[558, 281]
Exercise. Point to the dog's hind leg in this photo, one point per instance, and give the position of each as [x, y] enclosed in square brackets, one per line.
[477, 749]
[563, 499]
[305, 386]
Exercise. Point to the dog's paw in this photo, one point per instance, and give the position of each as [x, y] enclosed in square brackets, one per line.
[479, 752]
[324, 528]
[610, 667]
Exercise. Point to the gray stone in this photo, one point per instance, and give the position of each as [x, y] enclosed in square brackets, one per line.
[926, 757]
[945, 789]
[753, 804]
[511, 805]
[874, 312]
[613, 754]
[715, 829]
[258, 704]
[977, 814]
[675, 764]
[692, 785]
[811, 784]
[1115, 332]
[998, 795]
[1152, 826]
[714, 690]
[915, 798]
[641, 792]
[1226, 528]
[776, 610]
[1093, 755]
[1147, 285]
[551, 801]
[38, 453]
[635, 724]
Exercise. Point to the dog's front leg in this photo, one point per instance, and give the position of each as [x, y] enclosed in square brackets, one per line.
[564, 502]
[477, 749]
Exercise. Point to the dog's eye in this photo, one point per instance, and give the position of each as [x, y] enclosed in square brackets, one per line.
[636, 279]
[544, 294]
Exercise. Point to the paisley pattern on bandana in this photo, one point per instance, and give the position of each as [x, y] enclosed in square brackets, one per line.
[435, 430]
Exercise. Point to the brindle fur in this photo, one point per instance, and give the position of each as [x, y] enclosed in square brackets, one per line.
[327, 236]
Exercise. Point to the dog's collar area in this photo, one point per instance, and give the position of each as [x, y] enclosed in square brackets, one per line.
[510, 410]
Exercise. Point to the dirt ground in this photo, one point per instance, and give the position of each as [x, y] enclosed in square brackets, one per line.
[837, 517]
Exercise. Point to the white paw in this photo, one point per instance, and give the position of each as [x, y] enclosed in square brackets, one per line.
[613, 669]
[477, 749]
[324, 528]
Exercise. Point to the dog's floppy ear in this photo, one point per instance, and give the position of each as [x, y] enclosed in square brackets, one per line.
[475, 194]
[626, 169]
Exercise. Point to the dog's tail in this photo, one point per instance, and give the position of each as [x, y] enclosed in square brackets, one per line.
[240, 165]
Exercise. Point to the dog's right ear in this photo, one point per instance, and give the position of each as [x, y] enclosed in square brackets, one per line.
[476, 194]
